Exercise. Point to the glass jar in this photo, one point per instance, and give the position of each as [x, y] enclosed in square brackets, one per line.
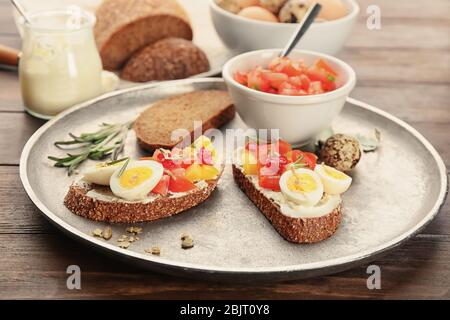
[60, 65]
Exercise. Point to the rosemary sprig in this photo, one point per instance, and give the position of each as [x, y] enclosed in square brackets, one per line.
[108, 141]
[124, 167]
[298, 163]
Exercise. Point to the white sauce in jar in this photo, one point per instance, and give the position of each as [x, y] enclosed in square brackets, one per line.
[60, 65]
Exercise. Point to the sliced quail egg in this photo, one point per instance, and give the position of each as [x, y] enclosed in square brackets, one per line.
[334, 181]
[325, 206]
[137, 180]
[100, 173]
[301, 186]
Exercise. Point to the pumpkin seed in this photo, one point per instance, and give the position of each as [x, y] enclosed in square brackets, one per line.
[186, 241]
[134, 230]
[154, 250]
[107, 233]
[97, 233]
[124, 245]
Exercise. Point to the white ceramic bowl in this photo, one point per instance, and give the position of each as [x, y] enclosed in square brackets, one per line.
[299, 118]
[242, 34]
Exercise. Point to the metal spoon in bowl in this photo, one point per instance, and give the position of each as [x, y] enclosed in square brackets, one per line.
[304, 25]
[21, 10]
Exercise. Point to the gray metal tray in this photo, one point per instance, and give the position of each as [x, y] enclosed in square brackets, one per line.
[397, 190]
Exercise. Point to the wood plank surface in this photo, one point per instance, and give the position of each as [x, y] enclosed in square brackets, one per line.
[417, 270]
[404, 68]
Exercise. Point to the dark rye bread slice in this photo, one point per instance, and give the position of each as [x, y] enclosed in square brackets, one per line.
[125, 26]
[297, 230]
[166, 59]
[81, 204]
[155, 125]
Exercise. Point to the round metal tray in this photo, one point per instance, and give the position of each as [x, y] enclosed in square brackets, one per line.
[396, 191]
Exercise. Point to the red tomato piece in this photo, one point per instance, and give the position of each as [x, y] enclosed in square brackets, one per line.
[288, 89]
[326, 67]
[256, 80]
[286, 66]
[309, 159]
[302, 81]
[241, 78]
[162, 187]
[270, 182]
[180, 184]
[275, 79]
[178, 172]
[282, 147]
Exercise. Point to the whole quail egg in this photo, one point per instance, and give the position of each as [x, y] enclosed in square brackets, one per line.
[229, 5]
[272, 5]
[341, 152]
[248, 3]
[331, 9]
[293, 11]
[234, 6]
[258, 13]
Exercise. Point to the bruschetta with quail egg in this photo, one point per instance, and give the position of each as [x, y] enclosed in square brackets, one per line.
[150, 188]
[301, 199]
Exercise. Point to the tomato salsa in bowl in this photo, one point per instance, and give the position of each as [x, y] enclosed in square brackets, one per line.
[290, 77]
[299, 96]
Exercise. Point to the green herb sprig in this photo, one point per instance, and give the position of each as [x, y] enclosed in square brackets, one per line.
[108, 141]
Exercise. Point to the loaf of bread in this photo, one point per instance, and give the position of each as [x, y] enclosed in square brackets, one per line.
[125, 26]
[166, 59]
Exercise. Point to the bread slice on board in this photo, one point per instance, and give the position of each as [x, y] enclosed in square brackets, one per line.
[155, 125]
[297, 230]
[125, 26]
[81, 203]
[166, 59]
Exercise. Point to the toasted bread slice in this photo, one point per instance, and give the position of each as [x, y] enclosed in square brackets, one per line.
[155, 125]
[108, 208]
[298, 230]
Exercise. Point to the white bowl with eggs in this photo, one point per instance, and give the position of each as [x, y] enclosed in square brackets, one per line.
[243, 34]
[298, 118]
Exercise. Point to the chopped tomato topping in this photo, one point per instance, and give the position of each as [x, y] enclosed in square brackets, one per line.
[283, 147]
[180, 184]
[289, 77]
[270, 182]
[162, 187]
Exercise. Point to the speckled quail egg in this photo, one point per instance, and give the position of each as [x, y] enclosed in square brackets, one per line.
[341, 152]
[272, 5]
[293, 11]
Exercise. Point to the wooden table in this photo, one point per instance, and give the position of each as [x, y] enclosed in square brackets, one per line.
[404, 68]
